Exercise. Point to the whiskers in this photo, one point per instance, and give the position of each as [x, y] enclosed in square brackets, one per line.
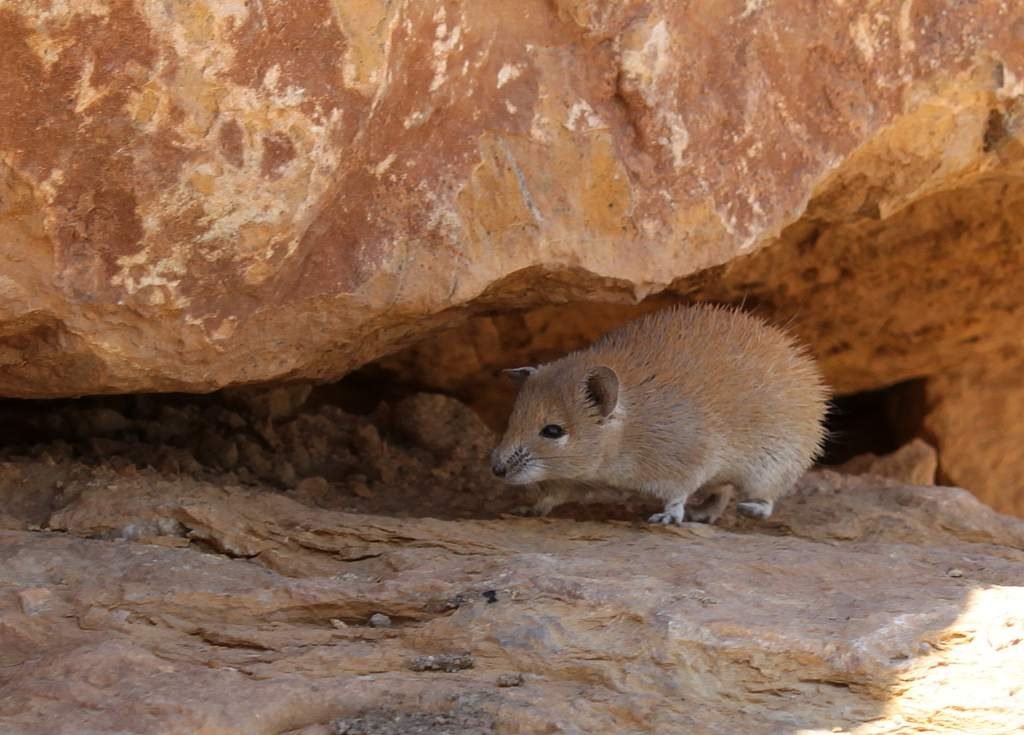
[554, 465]
[564, 456]
[525, 467]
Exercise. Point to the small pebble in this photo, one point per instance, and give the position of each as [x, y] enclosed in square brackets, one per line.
[339, 624]
[955, 573]
[34, 599]
[380, 620]
[490, 596]
[313, 488]
[449, 662]
[454, 602]
[701, 530]
[361, 489]
[510, 680]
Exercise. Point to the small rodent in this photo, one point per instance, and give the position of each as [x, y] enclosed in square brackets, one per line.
[689, 402]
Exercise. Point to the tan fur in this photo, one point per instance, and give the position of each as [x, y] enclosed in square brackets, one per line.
[708, 399]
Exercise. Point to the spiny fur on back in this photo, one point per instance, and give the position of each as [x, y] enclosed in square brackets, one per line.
[707, 396]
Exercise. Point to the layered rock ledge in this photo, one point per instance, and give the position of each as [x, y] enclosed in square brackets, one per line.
[269, 563]
[152, 606]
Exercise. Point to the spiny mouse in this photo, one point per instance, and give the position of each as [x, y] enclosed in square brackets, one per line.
[690, 402]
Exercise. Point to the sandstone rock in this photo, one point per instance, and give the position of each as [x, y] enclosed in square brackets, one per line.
[211, 203]
[840, 613]
[197, 196]
[312, 490]
[974, 416]
[919, 294]
[912, 464]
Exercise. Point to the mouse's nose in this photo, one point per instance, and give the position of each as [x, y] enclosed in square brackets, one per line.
[499, 469]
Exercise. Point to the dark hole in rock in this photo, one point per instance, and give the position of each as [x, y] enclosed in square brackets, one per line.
[877, 421]
[363, 390]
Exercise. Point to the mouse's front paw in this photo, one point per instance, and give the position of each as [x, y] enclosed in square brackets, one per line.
[672, 514]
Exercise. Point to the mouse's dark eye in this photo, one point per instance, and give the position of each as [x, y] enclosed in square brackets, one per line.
[552, 431]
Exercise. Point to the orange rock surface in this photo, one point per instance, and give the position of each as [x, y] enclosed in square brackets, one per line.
[204, 194]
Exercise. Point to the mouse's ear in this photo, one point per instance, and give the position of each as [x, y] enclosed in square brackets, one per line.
[601, 389]
[520, 374]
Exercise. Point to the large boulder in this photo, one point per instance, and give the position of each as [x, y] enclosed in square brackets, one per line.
[196, 195]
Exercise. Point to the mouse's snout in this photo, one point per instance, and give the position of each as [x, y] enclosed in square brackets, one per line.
[498, 465]
[506, 465]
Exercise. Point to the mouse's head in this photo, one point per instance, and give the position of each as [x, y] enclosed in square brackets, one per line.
[559, 427]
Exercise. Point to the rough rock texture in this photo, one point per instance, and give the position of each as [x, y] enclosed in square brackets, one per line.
[862, 608]
[975, 415]
[198, 194]
[931, 292]
[912, 464]
[147, 587]
[420, 451]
